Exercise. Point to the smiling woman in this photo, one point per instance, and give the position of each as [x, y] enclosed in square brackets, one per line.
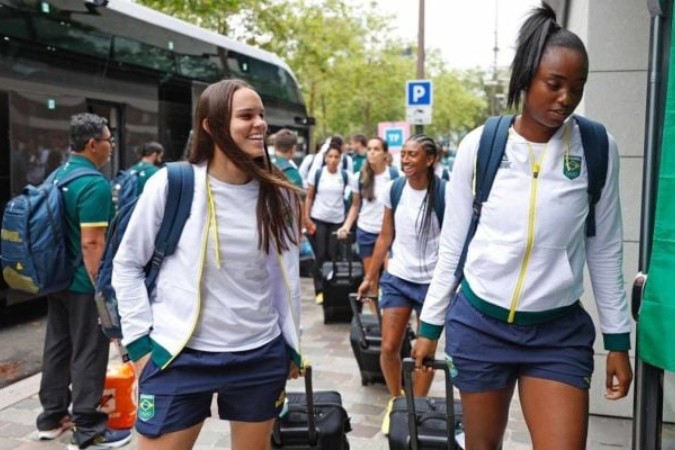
[235, 312]
[411, 226]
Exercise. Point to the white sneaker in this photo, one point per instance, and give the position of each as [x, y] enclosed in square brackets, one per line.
[48, 435]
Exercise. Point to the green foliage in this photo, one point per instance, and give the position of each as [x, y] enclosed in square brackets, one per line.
[349, 65]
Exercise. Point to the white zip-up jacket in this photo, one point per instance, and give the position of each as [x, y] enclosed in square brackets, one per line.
[525, 262]
[164, 323]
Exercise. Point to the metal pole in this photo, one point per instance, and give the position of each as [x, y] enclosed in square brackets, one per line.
[419, 129]
[495, 50]
[648, 400]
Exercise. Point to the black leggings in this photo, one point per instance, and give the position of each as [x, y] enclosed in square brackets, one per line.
[323, 243]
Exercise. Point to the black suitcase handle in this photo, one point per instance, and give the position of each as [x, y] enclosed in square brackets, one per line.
[347, 244]
[353, 302]
[436, 364]
[312, 435]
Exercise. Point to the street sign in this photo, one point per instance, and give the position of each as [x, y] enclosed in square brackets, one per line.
[394, 133]
[418, 93]
[418, 101]
[418, 115]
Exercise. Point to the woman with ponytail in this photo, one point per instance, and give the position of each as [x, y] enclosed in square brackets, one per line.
[517, 317]
[224, 316]
[411, 227]
[367, 209]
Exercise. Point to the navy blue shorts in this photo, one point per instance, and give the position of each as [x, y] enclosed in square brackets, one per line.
[366, 242]
[489, 354]
[399, 293]
[250, 387]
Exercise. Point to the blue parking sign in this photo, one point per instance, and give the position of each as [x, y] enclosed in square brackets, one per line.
[394, 137]
[418, 93]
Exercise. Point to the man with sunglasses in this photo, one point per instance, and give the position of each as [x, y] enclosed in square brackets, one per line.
[76, 351]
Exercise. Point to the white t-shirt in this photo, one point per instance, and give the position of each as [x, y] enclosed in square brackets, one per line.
[236, 305]
[408, 260]
[328, 203]
[372, 212]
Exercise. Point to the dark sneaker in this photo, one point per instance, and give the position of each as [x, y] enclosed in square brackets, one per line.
[108, 439]
[63, 426]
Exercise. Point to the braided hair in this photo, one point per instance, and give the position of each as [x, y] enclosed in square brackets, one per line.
[425, 214]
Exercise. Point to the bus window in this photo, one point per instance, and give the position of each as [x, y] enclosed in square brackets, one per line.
[67, 36]
[200, 67]
[38, 135]
[145, 55]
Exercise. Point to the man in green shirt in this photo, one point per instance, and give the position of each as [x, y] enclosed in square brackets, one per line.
[76, 350]
[285, 143]
[152, 154]
[359, 145]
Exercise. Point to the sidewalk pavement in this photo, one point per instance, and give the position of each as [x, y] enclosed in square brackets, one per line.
[328, 349]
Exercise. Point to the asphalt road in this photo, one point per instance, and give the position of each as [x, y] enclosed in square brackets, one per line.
[22, 334]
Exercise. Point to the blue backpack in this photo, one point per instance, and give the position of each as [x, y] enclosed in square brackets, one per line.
[491, 151]
[35, 256]
[177, 210]
[439, 202]
[125, 187]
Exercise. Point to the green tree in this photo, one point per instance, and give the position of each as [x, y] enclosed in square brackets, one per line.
[212, 14]
[349, 66]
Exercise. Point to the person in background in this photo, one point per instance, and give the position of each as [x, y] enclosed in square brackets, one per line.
[441, 171]
[306, 164]
[337, 141]
[285, 142]
[369, 187]
[224, 317]
[324, 210]
[411, 229]
[152, 155]
[75, 355]
[517, 319]
[359, 145]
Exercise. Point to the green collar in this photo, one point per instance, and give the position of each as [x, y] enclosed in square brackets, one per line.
[80, 161]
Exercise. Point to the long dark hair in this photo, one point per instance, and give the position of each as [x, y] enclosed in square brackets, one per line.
[539, 32]
[278, 204]
[424, 216]
[368, 174]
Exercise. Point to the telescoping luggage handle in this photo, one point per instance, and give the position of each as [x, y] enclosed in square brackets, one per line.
[348, 245]
[437, 364]
[312, 435]
[353, 299]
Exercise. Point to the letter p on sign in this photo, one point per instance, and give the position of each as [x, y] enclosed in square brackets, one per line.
[419, 93]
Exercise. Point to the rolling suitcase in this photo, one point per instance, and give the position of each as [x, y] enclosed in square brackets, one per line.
[366, 340]
[425, 423]
[341, 276]
[312, 421]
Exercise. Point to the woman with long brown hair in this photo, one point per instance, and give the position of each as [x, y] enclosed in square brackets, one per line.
[224, 316]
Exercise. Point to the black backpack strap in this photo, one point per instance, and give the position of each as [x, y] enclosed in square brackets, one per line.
[596, 153]
[317, 178]
[490, 152]
[345, 179]
[176, 213]
[395, 192]
[439, 201]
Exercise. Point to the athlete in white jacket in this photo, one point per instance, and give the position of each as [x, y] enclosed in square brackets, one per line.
[517, 317]
[224, 316]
